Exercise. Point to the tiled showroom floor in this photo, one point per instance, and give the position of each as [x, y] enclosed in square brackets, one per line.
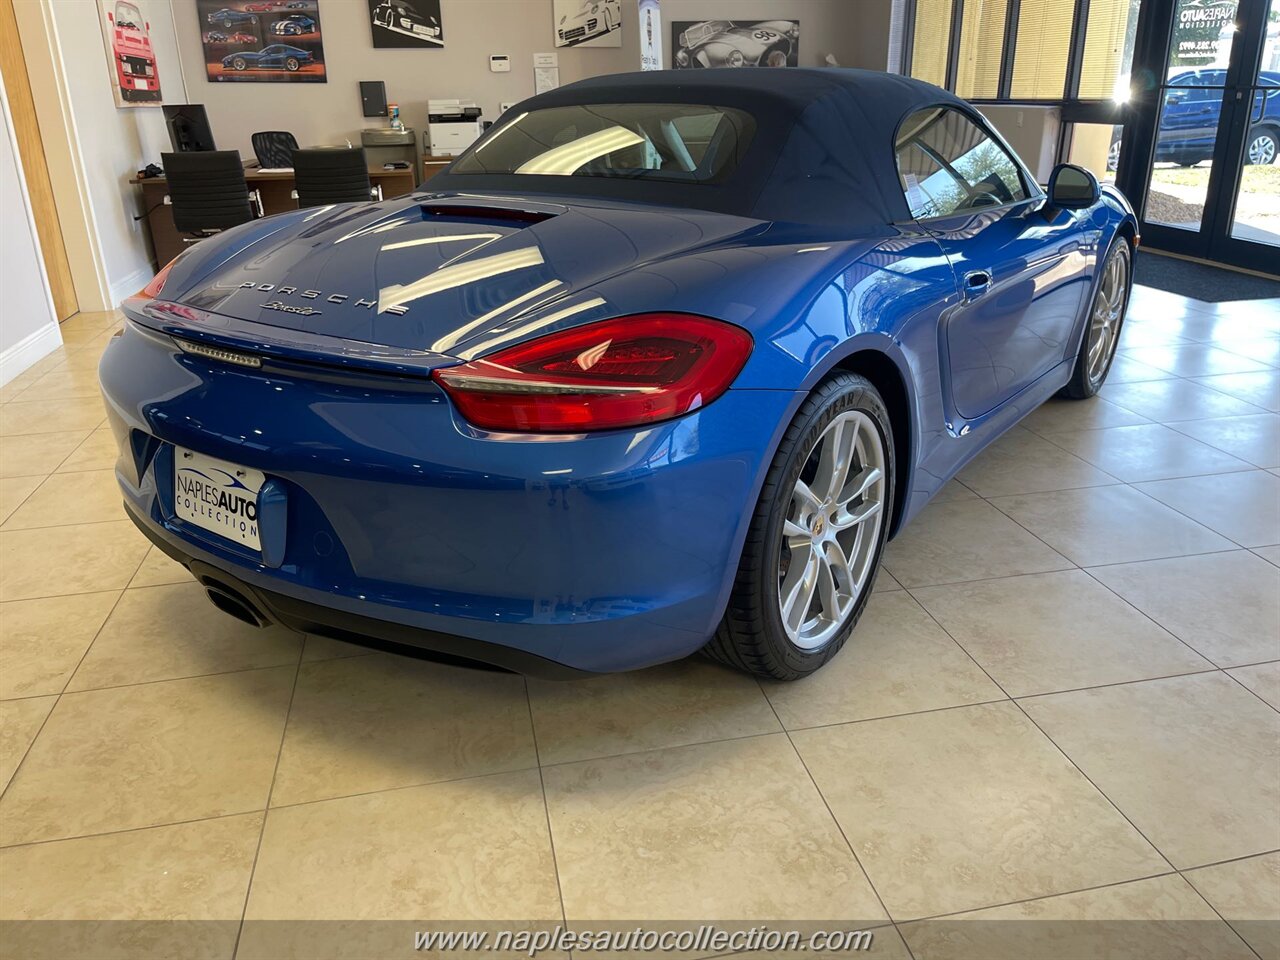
[1063, 703]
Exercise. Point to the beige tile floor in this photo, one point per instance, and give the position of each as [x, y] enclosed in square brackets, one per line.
[1063, 704]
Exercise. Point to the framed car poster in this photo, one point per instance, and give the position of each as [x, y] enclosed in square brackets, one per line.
[126, 30]
[734, 43]
[406, 23]
[587, 23]
[262, 41]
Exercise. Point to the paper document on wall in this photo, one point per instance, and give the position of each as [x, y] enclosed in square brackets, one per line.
[545, 78]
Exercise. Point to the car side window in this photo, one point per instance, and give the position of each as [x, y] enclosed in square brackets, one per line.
[947, 164]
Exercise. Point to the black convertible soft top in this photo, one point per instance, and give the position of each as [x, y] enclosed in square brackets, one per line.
[822, 152]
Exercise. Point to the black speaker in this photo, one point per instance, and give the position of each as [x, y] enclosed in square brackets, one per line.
[373, 98]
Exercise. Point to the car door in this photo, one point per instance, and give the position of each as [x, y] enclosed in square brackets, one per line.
[1021, 267]
[1266, 101]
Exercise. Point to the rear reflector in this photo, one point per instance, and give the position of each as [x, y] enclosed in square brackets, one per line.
[616, 373]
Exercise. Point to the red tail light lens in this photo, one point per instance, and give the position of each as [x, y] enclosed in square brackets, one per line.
[615, 373]
[152, 289]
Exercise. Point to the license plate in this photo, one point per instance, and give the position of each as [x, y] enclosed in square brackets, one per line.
[140, 84]
[217, 496]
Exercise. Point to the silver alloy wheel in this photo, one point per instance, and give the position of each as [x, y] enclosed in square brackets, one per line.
[1262, 149]
[831, 531]
[1108, 308]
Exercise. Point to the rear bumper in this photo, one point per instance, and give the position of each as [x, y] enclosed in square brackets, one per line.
[307, 616]
[400, 523]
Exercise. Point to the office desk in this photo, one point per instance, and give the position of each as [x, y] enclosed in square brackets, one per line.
[431, 165]
[275, 188]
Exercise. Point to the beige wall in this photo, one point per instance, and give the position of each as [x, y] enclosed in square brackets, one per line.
[853, 30]
[1031, 131]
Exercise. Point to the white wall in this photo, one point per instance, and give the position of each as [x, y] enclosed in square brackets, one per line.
[28, 328]
[853, 30]
[114, 142]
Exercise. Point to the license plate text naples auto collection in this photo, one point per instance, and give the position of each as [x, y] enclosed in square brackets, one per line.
[657, 366]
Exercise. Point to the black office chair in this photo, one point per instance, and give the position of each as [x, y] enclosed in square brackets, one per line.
[274, 148]
[208, 191]
[324, 175]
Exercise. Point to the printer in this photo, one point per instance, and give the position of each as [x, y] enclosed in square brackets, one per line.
[452, 126]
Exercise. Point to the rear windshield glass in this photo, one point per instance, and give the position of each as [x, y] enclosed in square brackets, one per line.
[685, 142]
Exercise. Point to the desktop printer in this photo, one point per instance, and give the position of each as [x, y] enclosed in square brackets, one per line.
[452, 126]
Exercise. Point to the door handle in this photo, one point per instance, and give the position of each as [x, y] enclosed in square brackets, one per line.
[976, 283]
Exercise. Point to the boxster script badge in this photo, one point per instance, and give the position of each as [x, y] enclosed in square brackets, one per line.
[217, 496]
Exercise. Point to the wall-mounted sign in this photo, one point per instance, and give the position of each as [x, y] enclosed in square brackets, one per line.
[735, 43]
[262, 41]
[406, 23]
[135, 78]
[650, 35]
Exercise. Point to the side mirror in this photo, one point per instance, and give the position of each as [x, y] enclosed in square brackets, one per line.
[1072, 187]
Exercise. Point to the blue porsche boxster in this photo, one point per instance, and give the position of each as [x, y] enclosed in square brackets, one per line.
[659, 364]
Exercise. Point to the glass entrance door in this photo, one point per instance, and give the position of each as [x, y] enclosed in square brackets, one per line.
[1211, 179]
[1255, 215]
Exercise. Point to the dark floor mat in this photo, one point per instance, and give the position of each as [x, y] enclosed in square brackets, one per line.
[1200, 281]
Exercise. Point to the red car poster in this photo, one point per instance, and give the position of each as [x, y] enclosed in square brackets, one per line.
[127, 32]
[262, 41]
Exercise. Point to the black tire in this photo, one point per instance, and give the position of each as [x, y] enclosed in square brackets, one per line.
[239, 63]
[1082, 386]
[751, 635]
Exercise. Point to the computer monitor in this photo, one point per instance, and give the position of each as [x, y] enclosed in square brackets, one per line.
[188, 127]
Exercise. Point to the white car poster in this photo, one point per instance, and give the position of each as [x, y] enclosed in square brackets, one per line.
[587, 23]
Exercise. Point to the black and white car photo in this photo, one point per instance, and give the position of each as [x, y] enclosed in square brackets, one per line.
[406, 23]
[727, 43]
[588, 23]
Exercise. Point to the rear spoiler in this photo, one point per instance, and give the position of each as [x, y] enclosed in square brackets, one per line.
[247, 338]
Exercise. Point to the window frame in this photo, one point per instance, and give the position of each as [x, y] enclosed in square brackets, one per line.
[1075, 56]
[742, 120]
[1030, 187]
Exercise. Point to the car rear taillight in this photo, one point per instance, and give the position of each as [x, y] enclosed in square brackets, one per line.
[156, 284]
[616, 373]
